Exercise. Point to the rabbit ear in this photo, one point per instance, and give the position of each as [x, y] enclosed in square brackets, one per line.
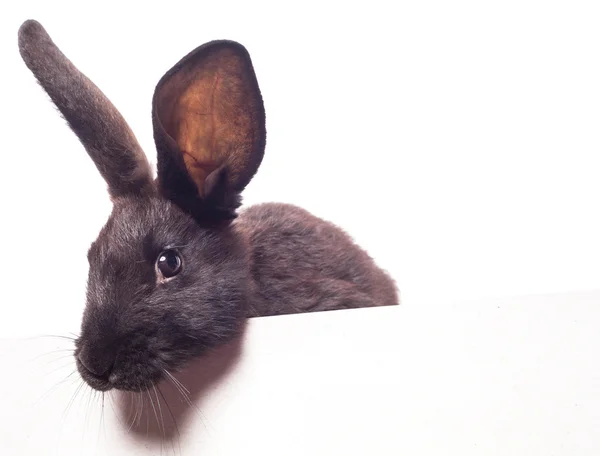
[209, 128]
[101, 129]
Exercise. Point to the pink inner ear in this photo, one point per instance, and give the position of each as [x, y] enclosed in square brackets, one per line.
[211, 107]
[199, 171]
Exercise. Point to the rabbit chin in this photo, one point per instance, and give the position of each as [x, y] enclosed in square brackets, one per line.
[134, 380]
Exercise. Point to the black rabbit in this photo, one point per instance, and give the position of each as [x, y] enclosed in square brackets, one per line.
[175, 270]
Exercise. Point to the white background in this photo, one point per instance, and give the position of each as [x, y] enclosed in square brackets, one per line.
[456, 141]
[507, 377]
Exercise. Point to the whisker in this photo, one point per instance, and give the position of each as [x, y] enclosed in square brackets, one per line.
[133, 411]
[141, 404]
[59, 368]
[160, 411]
[103, 424]
[87, 414]
[43, 396]
[101, 419]
[52, 352]
[178, 388]
[155, 414]
[70, 355]
[177, 381]
[67, 409]
[111, 402]
[70, 403]
[56, 336]
[179, 246]
[174, 421]
[74, 396]
[147, 415]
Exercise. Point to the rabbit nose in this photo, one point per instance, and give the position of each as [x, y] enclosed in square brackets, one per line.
[99, 363]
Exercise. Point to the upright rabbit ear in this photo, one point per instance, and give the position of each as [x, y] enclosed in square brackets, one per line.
[101, 129]
[209, 128]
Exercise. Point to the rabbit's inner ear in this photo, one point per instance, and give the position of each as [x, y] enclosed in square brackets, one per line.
[210, 106]
[194, 119]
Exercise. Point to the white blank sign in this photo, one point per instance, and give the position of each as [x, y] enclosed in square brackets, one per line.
[506, 377]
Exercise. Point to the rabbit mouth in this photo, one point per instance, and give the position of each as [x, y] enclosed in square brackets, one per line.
[97, 382]
[119, 380]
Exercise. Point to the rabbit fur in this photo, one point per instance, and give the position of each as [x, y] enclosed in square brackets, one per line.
[228, 264]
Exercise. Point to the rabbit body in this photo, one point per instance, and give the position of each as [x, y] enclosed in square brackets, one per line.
[177, 268]
[301, 263]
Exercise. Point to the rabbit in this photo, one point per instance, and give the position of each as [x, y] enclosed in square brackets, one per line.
[178, 267]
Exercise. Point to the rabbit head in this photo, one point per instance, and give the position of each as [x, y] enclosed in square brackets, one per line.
[168, 276]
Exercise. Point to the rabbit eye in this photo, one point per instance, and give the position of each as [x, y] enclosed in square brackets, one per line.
[169, 263]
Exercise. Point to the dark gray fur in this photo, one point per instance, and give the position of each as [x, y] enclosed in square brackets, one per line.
[272, 259]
